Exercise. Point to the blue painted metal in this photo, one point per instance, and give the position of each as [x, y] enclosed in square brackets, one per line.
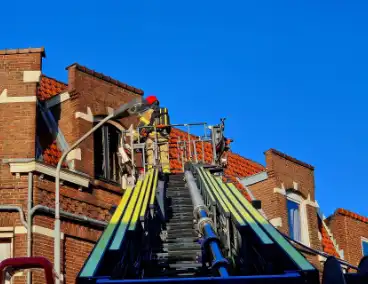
[210, 239]
[254, 279]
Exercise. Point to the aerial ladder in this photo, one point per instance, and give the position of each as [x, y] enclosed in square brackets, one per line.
[194, 227]
[203, 230]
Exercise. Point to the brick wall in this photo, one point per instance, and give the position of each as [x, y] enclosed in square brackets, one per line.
[18, 119]
[312, 216]
[76, 252]
[17, 140]
[19, 250]
[283, 171]
[274, 205]
[288, 170]
[89, 90]
[348, 232]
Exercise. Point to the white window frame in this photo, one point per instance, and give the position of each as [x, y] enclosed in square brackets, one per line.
[304, 226]
[9, 235]
[365, 240]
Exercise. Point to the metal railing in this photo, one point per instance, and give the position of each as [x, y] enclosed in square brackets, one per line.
[185, 145]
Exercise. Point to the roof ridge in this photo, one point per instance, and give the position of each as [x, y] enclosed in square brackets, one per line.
[106, 78]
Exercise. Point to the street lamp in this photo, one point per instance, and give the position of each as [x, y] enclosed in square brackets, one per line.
[131, 107]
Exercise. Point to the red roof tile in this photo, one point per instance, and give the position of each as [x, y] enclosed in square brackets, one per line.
[52, 154]
[327, 243]
[237, 166]
[350, 214]
[49, 87]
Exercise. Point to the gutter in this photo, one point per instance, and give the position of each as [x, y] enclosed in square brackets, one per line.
[15, 208]
[68, 215]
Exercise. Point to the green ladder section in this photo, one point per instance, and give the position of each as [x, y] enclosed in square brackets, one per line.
[232, 204]
[132, 209]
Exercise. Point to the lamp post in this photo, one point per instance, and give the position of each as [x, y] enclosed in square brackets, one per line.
[132, 108]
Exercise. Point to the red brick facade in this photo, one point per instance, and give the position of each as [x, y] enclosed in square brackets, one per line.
[287, 175]
[350, 230]
[18, 132]
[21, 124]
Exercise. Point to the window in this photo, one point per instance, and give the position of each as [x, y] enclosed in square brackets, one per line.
[106, 159]
[365, 246]
[294, 220]
[5, 251]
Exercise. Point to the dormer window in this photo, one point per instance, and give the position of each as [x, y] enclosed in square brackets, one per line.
[294, 220]
[297, 217]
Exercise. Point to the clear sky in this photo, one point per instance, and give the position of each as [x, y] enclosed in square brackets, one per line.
[290, 75]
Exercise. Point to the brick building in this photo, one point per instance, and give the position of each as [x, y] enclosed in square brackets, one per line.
[351, 232]
[41, 117]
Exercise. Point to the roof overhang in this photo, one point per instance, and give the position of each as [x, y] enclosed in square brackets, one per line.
[58, 99]
[254, 179]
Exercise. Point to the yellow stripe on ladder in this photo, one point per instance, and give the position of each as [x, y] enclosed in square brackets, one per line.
[119, 236]
[137, 210]
[148, 194]
[93, 261]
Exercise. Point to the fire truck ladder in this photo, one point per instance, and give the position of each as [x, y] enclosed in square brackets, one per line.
[212, 233]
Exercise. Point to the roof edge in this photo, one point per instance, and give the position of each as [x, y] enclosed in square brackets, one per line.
[105, 78]
[283, 155]
[23, 51]
[344, 212]
[56, 80]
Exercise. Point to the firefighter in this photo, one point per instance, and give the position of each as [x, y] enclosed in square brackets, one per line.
[152, 115]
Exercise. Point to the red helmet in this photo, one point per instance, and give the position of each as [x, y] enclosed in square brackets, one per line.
[151, 99]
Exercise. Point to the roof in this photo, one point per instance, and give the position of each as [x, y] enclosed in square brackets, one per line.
[52, 154]
[326, 242]
[23, 51]
[237, 166]
[350, 214]
[106, 78]
[49, 87]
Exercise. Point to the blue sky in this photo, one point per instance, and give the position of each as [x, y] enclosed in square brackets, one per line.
[290, 75]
